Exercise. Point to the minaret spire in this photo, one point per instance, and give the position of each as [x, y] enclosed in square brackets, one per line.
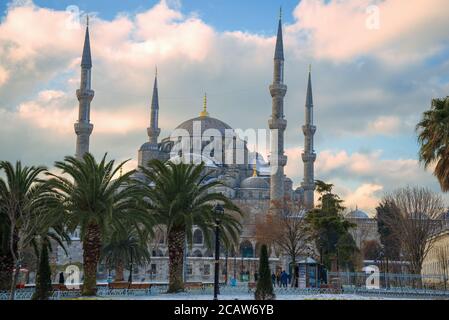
[154, 130]
[309, 155]
[279, 51]
[85, 94]
[277, 124]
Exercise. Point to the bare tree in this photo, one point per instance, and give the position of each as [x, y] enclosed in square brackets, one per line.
[287, 232]
[443, 263]
[414, 220]
[23, 228]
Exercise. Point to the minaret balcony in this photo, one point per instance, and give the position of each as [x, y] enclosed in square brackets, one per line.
[308, 157]
[278, 89]
[308, 186]
[279, 124]
[309, 130]
[83, 128]
[153, 132]
[83, 94]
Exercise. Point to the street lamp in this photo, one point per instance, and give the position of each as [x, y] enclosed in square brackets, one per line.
[219, 211]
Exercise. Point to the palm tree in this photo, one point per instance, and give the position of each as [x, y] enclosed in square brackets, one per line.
[433, 136]
[94, 198]
[181, 196]
[21, 211]
[126, 247]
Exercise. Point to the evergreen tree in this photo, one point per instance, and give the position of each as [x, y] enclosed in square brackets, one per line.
[43, 277]
[264, 290]
[331, 229]
[388, 239]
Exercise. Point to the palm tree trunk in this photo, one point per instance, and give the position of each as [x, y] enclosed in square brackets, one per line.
[91, 256]
[119, 271]
[15, 279]
[176, 238]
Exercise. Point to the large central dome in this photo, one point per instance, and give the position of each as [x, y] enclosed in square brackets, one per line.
[206, 124]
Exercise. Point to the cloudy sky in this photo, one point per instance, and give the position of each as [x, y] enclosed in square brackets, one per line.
[376, 67]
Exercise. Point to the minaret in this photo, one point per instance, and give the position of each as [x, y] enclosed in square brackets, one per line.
[150, 149]
[154, 130]
[309, 155]
[277, 123]
[83, 128]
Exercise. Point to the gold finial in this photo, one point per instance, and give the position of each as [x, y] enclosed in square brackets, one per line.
[204, 113]
[156, 72]
[87, 20]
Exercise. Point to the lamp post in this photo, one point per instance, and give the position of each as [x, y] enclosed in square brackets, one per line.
[218, 210]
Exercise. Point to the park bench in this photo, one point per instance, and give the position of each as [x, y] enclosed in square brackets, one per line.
[194, 285]
[119, 285]
[140, 286]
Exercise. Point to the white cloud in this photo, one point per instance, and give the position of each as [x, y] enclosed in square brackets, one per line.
[39, 73]
[366, 197]
[338, 29]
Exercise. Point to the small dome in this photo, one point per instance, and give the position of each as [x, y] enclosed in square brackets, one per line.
[254, 183]
[149, 147]
[357, 214]
[228, 181]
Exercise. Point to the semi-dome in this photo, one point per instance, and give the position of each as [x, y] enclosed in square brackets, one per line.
[206, 124]
[357, 214]
[194, 158]
[254, 183]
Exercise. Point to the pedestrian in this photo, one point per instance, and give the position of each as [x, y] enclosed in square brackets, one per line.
[278, 279]
[284, 279]
[273, 279]
[61, 278]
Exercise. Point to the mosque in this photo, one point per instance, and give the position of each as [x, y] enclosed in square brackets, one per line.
[251, 182]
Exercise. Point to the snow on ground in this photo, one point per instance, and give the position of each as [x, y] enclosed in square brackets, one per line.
[251, 297]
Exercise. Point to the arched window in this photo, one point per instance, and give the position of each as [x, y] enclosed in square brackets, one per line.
[246, 249]
[197, 253]
[198, 237]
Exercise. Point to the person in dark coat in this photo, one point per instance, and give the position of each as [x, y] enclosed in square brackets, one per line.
[61, 278]
[273, 279]
[284, 279]
[278, 279]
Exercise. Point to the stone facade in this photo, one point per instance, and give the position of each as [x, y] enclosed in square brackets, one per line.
[436, 263]
[366, 227]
